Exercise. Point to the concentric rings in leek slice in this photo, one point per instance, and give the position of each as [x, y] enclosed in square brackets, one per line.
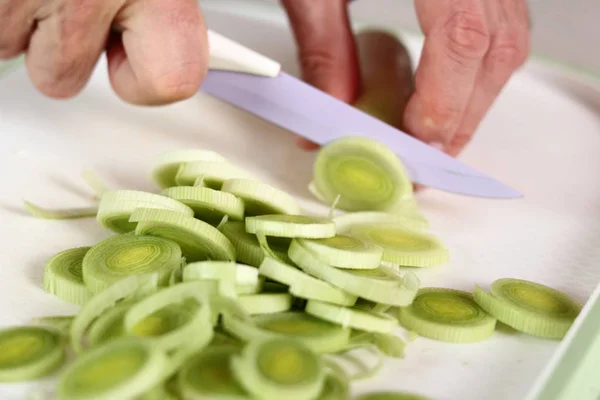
[447, 315]
[279, 368]
[260, 198]
[122, 255]
[166, 165]
[197, 240]
[345, 252]
[116, 206]
[209, 205]
[406, 247]
[529, 307]
[63, 276]
[30, 352]
[366, 175]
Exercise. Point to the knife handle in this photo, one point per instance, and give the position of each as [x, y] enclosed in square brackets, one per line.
[227, 55]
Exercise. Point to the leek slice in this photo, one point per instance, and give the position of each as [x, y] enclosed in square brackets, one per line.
[355, 318]
[366, 175]
[208, 375]
[389, 395]
[109, 325]
[61, 323]
[63, 276]
[209, 205]
[245, 278]
[321, 336]
[266, 303]
[65, 213]
[197, 240]
[95, 183]
[247, 248]
[190, 320]
[447, 315]
[336, 385]
[166, 165]
[119, 256]
[275, 368]
[214, 173]
[291, 226]
[529, 307]
[116, 208]
[406, 247]
[345, 252]
[30, 352]
[303, 285]
[383, 285]
[260, 198]
[345, 222]
[248, 280]
[121, 369]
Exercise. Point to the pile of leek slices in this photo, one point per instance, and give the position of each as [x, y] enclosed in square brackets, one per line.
[219, 286]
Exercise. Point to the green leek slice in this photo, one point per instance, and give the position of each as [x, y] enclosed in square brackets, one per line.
[345, 252]
[123, 255]
[303, 285]
[30, 352]
[214, 173]
[247, 248]
[383, 285]
[260, 198]
[164, 331]
[529, 307]
[366, 175]
[447, 315]
[336, 385]
[389, 395]
[275, 368]
[208, 375]
[321, 336]
[244, 277]
[121, 369]
[355, 318]
[248, 280]
[116, 208]
[209, 205]
[65, 213]
[345, 222]
[109, 325]
[63, 276]
[406, 247]
[61, 323]
[198, 240]
[266, 303]
[291, 226]
[166, 165]
[95, 183]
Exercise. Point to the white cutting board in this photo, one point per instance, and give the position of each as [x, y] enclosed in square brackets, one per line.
[541, 137]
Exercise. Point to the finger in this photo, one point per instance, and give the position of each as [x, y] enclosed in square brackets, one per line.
[326, 48]
[508, 51]
[162, 55]
[16, 20]
[66, 45]
[457, 38]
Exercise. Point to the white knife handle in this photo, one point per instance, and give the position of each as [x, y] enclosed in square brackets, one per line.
[227, 55]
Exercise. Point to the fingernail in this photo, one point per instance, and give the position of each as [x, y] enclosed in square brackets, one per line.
[437, 145]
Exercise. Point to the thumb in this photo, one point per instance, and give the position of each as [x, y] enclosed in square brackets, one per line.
[326, 48]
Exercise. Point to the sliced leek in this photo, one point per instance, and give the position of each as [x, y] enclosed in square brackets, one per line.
[275, 368]
[383, 285]
[291, 226]
[116, 207]
[247, 248]
[121, 369]
[63, 276]
[266, 303]
[209, 205]
[355, 318]
[389, 395]
[63, 213]
[122, 255]
[447, 315]
[345, 252]
[197, 240]
[95, 183]
[214, 173]
[260, 198]
[529, 307]
[30, 352]
[345, 222]
[109, 325]
[406, 247]
[167, 164]
[366, 175]
[61, 323]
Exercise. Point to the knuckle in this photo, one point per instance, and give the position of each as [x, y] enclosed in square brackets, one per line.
[60, 79]
[467, 34]
[317, 62]
[508, 52]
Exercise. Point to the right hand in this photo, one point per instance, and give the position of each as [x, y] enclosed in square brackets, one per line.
[159, 56]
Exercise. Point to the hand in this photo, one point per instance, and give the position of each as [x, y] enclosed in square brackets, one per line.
[159, 56]
[471, 49]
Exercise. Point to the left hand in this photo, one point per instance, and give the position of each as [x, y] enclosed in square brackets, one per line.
[471, 49]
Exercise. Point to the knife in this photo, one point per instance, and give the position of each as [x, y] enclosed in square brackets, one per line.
[255, 83]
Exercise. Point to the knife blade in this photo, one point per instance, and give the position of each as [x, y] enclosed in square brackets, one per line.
[290, 103]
